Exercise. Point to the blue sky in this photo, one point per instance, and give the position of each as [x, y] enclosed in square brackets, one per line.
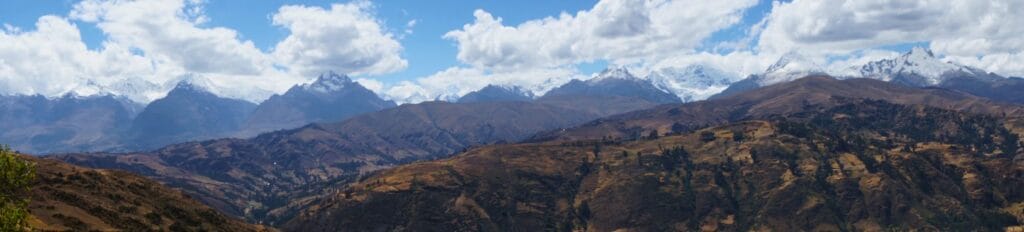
[426, 51]
[425, 48]
[533, 45]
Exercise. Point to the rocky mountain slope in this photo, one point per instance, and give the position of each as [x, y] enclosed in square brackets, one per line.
[790, 66]
[692, 83]
[331, 98]
[263, 177]
[189, 112]
[789, 97]
[64, 124]
[494, 93]
[862, 165]
[614, 82]
[72, 198]
[918, 67]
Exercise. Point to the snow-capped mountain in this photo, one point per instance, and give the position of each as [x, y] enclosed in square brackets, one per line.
[692, 83]
[71, 123]
[331, 97]
[144, 91]
[188, 112]
[918, 67]
[615, 82]
[328, 82]
[496, 93]
[789, 67]
[134, 89]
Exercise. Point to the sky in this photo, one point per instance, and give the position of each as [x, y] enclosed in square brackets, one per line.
[412, 51]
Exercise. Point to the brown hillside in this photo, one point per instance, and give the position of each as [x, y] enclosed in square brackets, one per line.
[867, 165]
[795, 96]
[71, 198]
[269, 177]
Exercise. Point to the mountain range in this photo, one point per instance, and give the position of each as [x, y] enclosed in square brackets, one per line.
[919, 67]
[905, 143]
[615, 82]
[863, 165]
[331, 98]
[273, 177]
[67, 123]
[191, 111]
[495, 93]
[269, 177]
[783, 98]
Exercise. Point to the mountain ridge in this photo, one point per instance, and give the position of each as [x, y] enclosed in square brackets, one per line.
[865, 165]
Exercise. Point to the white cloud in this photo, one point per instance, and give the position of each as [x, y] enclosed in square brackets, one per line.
[52, 60]
[152, 44]
[961, 28]
[541, 54]
[842, 66]
[621, 31]
[371, 84]
[409, 25]
[454, 82]
[1011, 64]
[346, 38]
[739, 63]
[168, 31]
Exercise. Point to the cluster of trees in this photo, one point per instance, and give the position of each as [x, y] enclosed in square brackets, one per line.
[16, 176]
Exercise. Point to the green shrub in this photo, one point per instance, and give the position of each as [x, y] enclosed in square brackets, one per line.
[16, 175]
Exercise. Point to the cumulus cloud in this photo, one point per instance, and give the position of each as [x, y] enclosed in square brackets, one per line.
[53, 60]
[969, 31]
[541, 54]
[346, 38]
[454, 82]
[621, 31]
[168, 31]
[152, 44]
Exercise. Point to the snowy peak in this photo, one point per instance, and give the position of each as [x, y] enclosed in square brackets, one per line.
[615, 82]
[919, 66]
[614, 73]
[692, 83]
[789, 67]
[794, 61]
[194, 83]
[497, 93]
[329, 82]
[509, 89]
[919, 53]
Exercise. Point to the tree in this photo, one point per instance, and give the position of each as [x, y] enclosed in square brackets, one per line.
[678, 128]
[738, 135]
[1011, 142]
[16, 175]
[707, 136]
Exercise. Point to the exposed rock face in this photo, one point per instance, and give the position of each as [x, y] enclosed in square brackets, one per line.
[863, 165]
